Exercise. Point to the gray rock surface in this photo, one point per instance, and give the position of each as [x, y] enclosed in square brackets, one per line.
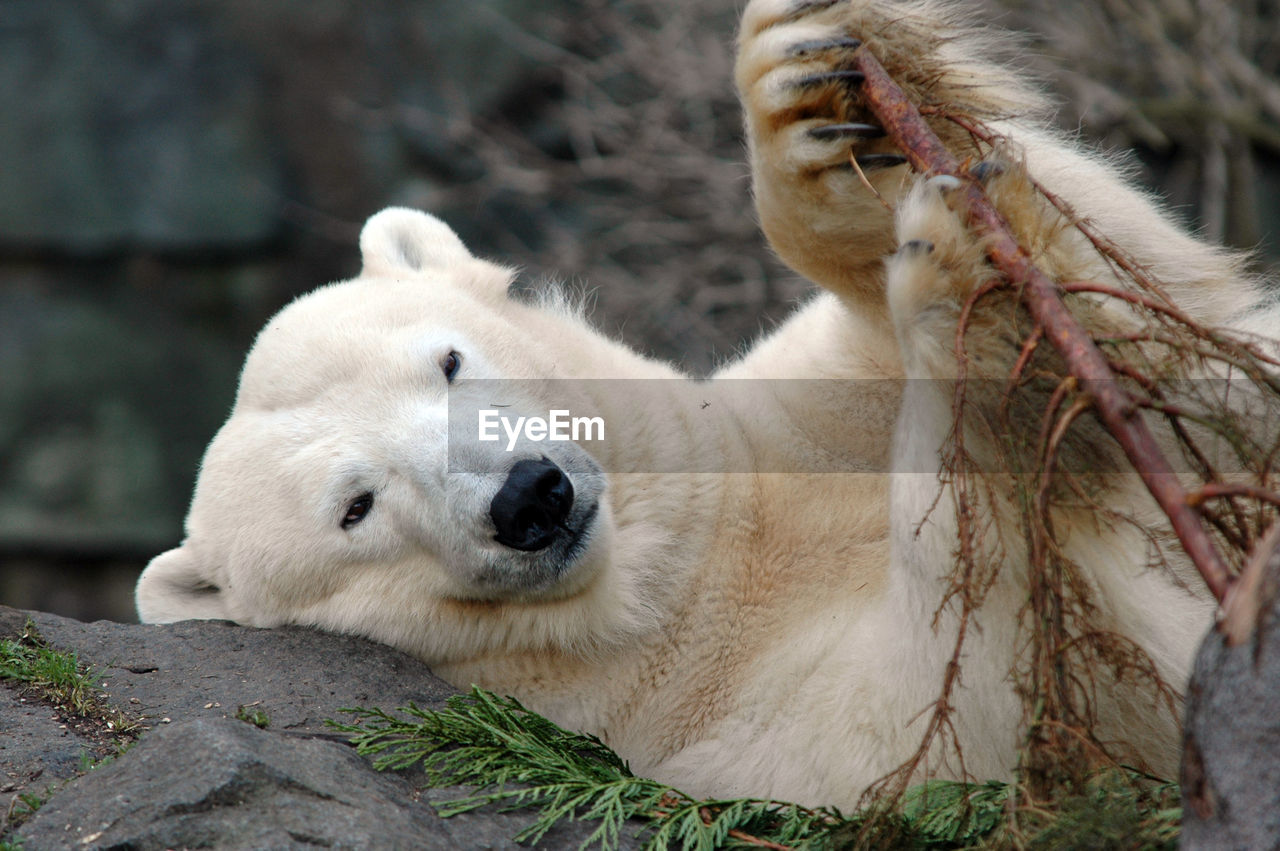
[1231, 748]
[222, 782]
[200, 778]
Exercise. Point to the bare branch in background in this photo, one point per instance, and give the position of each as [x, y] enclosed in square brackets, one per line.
[1194, 82]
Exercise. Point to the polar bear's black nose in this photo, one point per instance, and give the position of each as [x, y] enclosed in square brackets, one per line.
[531, 504]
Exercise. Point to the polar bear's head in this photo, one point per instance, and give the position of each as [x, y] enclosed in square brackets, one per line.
[329, 499]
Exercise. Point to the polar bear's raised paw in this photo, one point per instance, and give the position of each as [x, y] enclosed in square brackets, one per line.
[807, 126]
[809, 96]
[808, 123]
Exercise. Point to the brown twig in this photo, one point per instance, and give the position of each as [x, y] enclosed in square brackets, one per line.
[1136, 299]
[1040, 295]
[748, 839]
[1218, 490]
[1114, 255]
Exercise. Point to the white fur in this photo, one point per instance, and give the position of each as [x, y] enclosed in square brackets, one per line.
[756, 632]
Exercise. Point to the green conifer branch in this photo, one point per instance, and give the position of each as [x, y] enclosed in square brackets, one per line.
[517, 759]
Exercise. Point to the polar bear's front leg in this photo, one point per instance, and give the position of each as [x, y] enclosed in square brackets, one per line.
[938, 266]
[956, 319]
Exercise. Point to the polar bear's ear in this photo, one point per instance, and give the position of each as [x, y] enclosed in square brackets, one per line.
[401, 241]
[177, 587]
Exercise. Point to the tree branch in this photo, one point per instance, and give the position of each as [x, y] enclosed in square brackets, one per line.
[1040, 296]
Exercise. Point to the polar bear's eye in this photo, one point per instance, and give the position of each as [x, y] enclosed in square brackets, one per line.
[450, 365]
[357, 510]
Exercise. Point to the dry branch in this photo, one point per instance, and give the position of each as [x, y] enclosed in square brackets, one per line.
[1040, 296]
[1248, 598]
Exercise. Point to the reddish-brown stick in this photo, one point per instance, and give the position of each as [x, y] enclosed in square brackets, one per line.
[1040, 295]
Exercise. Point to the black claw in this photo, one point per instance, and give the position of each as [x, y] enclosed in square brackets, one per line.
[867, 162]
[822, 79]
[846, 131]
[813, 45]
[985, 170]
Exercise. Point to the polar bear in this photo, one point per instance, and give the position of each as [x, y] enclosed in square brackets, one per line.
[700, 590]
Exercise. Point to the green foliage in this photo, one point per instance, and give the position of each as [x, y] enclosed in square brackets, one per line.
[945, 812]
[27, 805]
[89, 761]
[21, 807]
[1113, 813]
[57, 675]
[517, 759]
[252, 715]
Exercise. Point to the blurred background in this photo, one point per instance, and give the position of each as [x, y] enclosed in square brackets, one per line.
[173, 171]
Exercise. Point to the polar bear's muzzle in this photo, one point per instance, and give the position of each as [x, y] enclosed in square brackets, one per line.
[544, 525]
[532, 505]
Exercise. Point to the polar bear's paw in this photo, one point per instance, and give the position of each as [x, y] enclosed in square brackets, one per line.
[938, 265]
[815, 145]
[807, 127]
[801, 91]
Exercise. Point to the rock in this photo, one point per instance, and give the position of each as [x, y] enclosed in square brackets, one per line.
[1231, 745]
[222, 782]
[36, 749]
[199, 777]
